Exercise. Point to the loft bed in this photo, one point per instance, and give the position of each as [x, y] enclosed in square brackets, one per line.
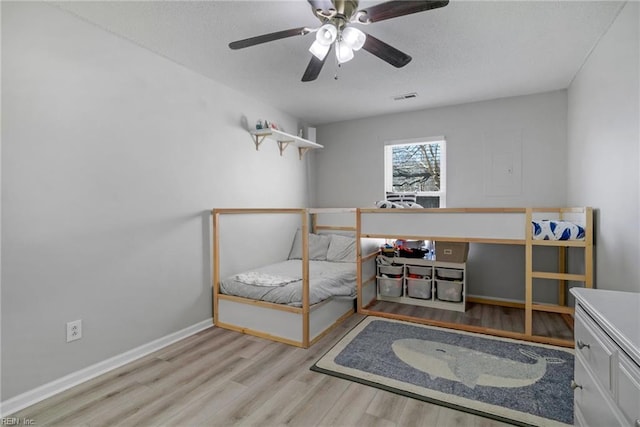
[288, 292]
[562, 228]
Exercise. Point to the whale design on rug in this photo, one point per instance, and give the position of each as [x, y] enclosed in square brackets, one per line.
[471, 367]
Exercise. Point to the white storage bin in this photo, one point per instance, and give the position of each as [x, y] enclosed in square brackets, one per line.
[418, 288]
[419, 270]
[449, 273]
[447, 290]
[391, 270]
[389, 287]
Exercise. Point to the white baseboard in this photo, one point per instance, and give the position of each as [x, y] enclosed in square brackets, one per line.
[61, 384]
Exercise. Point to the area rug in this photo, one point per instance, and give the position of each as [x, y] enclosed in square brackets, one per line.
[513, 381]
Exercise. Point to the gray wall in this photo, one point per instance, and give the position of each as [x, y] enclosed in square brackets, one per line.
[350, 170]
[603, 147]
[111, 155]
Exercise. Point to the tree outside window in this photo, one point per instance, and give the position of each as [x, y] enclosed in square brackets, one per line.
[417, 167]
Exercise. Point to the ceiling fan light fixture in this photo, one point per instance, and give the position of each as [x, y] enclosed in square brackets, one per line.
[319, 50]
[327, 34]
[336, 16]
[354, 38]
[344, 53]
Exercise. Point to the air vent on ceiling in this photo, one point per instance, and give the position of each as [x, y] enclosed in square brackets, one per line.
[405, 96]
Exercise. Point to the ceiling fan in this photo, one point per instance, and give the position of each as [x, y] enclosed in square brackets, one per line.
[337, 17]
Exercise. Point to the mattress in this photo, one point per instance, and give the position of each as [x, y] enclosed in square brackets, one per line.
[281, 283]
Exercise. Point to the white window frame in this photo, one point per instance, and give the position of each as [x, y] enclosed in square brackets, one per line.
[388, 165]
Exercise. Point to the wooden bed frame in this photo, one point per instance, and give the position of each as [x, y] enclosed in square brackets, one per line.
[484, 225]
[298, 326]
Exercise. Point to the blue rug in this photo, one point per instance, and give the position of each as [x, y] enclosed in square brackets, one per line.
[518, 382]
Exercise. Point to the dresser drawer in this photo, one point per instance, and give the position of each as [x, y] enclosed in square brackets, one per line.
[594, 406]
[607, 358]
[629, 390]
[595, 348]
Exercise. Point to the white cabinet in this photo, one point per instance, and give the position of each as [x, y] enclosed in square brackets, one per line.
[422, 282]
[607, 363]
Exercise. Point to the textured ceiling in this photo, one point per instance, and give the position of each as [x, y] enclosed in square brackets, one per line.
[467, 51]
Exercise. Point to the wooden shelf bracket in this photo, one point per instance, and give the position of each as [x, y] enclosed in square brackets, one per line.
[302, 151]
[282, 145]
[258, 139]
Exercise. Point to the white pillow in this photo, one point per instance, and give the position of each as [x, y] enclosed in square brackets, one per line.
[385, 204]
[410, 205]
[318, 246]
[396, 197]
[342, 249]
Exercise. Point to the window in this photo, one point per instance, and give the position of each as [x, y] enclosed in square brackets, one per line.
[417, 166]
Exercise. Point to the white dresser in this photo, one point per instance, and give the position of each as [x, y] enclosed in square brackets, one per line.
[607, 364]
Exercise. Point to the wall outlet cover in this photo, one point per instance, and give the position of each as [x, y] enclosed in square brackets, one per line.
[74, 330]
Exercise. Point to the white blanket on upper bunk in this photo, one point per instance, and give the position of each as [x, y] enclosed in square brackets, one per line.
[326, 279]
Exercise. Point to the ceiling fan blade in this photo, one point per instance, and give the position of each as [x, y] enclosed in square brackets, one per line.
[314, 68]
[393, 9]
[252, 41]
[386, 52]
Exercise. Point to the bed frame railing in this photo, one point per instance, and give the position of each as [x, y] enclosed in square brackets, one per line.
[510, 226]
[311, 220]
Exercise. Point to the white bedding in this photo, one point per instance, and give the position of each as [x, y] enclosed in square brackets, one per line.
[326, 279]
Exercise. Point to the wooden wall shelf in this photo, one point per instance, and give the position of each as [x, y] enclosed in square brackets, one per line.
[283, 140]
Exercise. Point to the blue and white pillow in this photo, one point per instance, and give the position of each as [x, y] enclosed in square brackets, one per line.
[547, 229]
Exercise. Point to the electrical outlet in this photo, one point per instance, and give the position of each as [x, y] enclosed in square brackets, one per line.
[74, 330]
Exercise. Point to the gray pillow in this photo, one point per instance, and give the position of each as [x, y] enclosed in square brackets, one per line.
[342, 249]
[318, 246]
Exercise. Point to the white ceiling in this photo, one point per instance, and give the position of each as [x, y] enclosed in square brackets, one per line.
[467, 51]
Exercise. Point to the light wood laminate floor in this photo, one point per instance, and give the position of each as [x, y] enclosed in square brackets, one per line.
[510, 319]
[223, 378]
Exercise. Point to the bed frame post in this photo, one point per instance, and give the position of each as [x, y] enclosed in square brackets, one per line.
[528, 290]
[216, 265]
[358, 263]
[588, 250]
[562, 269]
[305, 277]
